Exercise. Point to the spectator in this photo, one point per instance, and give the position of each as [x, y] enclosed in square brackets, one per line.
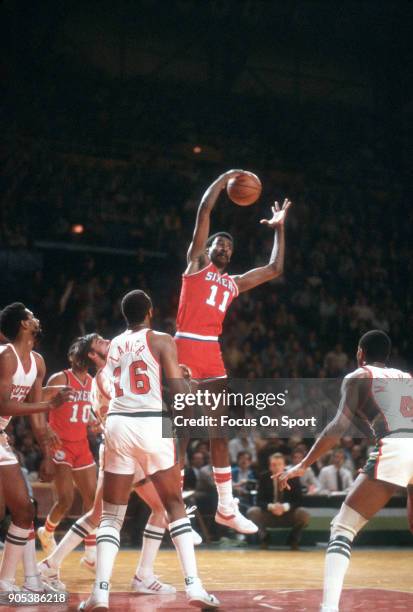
[244, 443]
[334, 478]
[244, 480]
[309, 481]
[277, 508]
[192, 472]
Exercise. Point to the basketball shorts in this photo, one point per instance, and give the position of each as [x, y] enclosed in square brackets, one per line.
[392, 461]
[138, 474]
[76, 454]
[203, 357]
[134, 445]
[7, 456]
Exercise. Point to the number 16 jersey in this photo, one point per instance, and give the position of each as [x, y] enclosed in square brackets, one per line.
[134, 374]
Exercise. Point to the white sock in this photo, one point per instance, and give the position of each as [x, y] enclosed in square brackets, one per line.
[151, 541]
[181, 534]
[31, 573]
[90, 546]
[107, 547]
[223, 481]
[335, 568]
[78, 531]
[15, 543]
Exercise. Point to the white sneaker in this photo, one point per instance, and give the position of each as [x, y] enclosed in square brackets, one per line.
[51, 575]
[89, 565]
[46, 540]
[197, 595]
[151, 586]
[197, 538]
[35, 584]
[230, 516]
[7, 587]
[93, 604]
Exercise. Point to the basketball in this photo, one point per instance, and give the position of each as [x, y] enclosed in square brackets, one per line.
[245, 189]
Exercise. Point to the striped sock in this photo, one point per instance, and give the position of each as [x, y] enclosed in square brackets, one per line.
[15, 542]
[29, 557]
[336, 564]
[50, 526]
[223, 482]
[78, 532]
[107, 547]
[151, 541]
[181, 534]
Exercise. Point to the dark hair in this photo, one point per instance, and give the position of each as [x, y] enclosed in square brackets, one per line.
[224, 234]
[10, 319]
[376, 345]
[79, 349]
[242, 453]
[135, 306]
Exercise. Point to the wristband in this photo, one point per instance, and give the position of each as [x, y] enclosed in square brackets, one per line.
[286, 506]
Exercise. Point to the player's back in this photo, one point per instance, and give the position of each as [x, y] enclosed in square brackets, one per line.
[22, 380]
[389, 406]
[70, 421]
[134, 373]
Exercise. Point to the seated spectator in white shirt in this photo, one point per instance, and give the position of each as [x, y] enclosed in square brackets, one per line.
[237, 445]
[335, 478]
[309, 482]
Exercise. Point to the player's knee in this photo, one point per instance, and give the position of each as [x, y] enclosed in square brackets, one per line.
[112, 516]
[344, 527]
[23, 516]
[65, 502]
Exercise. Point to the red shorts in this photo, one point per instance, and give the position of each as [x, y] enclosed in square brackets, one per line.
[203, 357]
[75, 454]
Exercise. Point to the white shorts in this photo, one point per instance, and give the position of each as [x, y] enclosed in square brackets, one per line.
[392, 461]
[7, 456]
[138, 474]
[134, 445]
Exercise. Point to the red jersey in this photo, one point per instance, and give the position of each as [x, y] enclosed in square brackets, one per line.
[205, 298]
[71, 419]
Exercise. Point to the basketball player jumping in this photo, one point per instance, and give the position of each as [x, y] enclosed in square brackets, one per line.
[21, 376]
[134, 444]
[382, 397]
[206, 294]
[74, 462]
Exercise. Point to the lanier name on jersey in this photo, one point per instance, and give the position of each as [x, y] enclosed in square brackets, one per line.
[213, 277]
[129, 346]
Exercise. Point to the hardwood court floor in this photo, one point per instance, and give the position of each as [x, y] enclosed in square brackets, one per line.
[378, 580]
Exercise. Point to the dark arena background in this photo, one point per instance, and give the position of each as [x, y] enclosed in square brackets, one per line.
[114, 119]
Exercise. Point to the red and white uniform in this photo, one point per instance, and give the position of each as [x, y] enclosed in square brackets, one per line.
[205, 298]
[70, 422]
[22, 382]
[133, 432]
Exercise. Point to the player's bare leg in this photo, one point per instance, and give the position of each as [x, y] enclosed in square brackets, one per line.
[85, 479]
[366, 498]
[227, 513]
[64, 489]
[167, 485]
[17, 548]
[144, 580]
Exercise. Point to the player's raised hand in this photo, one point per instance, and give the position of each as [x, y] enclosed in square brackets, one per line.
[63, 395]
[283, 477]
[224, 178]
[278, 214]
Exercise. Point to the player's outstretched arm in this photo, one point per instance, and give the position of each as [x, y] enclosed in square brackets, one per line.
[275, 266]
[196, 249]
[355, 388]
[11, 407]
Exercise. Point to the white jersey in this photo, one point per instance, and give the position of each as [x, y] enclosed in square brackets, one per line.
[134, 374]
[22, 381]
[389, 405]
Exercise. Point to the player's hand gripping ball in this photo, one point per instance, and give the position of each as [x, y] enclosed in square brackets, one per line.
[244, 189]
